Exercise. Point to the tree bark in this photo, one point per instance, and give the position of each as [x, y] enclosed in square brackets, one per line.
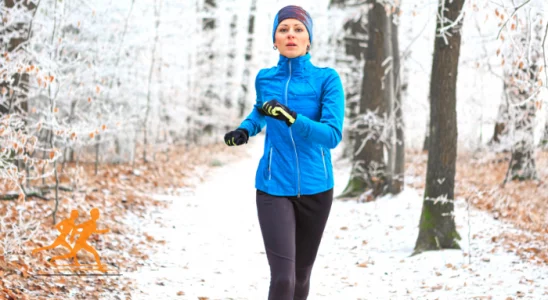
[354, 43]
[399, 167]
[501, 126]
[369, 167]
[544, 140]
[437, 228]
[426, 142]
[389, 102]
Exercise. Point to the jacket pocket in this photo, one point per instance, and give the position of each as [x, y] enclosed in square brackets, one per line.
[324, 165]
[270, 164]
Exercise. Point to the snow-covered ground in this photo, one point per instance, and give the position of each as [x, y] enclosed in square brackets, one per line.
[214, 248]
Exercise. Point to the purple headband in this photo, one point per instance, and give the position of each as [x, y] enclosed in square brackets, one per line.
[293, 12]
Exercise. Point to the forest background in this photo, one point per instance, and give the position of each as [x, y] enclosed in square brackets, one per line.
[102, 103]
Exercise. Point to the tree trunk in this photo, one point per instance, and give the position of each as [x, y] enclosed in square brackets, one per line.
[231, 55]
[437, 228]
[501, 127]
[399, 167]
[248, 59]
[522, 162]
[523, 95]
[157, 10]
[117, 76]
[544, 140]
[426, 143]
[389, 102]
[369, 168]
[354, 43]
[17, 91]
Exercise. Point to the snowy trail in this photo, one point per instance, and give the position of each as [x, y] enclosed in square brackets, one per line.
[214, 249]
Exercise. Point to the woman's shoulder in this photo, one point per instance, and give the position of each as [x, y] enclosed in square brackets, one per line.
[326, 70]
[323, 74]
[265, 72]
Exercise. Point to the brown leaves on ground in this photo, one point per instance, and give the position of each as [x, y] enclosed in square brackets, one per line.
[479, 180]
[116, 190]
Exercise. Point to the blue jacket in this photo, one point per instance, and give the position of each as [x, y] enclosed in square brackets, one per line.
[297, 159]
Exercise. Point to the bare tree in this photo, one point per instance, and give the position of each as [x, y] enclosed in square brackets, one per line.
[437, 228]
[375, 125]
[350, 43]
[522, 90]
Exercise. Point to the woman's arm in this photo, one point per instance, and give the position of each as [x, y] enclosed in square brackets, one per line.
[328, 131]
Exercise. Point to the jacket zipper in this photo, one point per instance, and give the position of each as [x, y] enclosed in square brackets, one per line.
[270, 165]
[324, 166]
[291, 134]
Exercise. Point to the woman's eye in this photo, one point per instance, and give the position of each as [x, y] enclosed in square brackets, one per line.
[299, 30]
[283, 30]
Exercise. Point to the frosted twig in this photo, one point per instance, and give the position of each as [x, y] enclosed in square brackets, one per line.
[512, 15]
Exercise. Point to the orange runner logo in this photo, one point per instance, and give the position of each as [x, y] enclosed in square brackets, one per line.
[84, 230]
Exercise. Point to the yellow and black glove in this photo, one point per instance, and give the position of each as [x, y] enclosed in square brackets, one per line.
[276, 110]
[237, 137]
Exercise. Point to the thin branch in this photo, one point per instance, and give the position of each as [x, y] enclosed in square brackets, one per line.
[407, 49]
[46, 188]
[489, 67]
[15, 196]
[544, 54]
[512, 15]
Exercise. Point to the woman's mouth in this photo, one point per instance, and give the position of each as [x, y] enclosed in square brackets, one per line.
[291, 45]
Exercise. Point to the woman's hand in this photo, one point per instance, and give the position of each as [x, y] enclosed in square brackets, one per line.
[236, 137]
[278, 111]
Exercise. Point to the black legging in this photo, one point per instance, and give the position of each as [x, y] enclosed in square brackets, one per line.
[292, 229]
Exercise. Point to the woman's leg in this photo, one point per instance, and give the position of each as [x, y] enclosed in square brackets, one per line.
[311, 213]
[277, 221]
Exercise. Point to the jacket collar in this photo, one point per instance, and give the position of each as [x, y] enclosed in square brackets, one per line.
[298, 64]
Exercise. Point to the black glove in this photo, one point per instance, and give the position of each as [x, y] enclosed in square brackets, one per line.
[275, 109]
[237, 137]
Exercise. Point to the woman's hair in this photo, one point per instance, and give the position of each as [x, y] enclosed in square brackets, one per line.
[293, 12]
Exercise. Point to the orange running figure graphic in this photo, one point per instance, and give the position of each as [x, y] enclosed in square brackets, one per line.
[87, 229]
[64, 227]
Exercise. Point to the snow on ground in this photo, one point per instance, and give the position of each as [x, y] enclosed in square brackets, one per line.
[214, 248]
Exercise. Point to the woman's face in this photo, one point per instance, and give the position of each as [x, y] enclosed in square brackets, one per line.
[291, 38]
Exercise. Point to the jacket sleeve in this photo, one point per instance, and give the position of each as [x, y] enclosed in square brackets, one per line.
[255, 122]
[328, 131]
